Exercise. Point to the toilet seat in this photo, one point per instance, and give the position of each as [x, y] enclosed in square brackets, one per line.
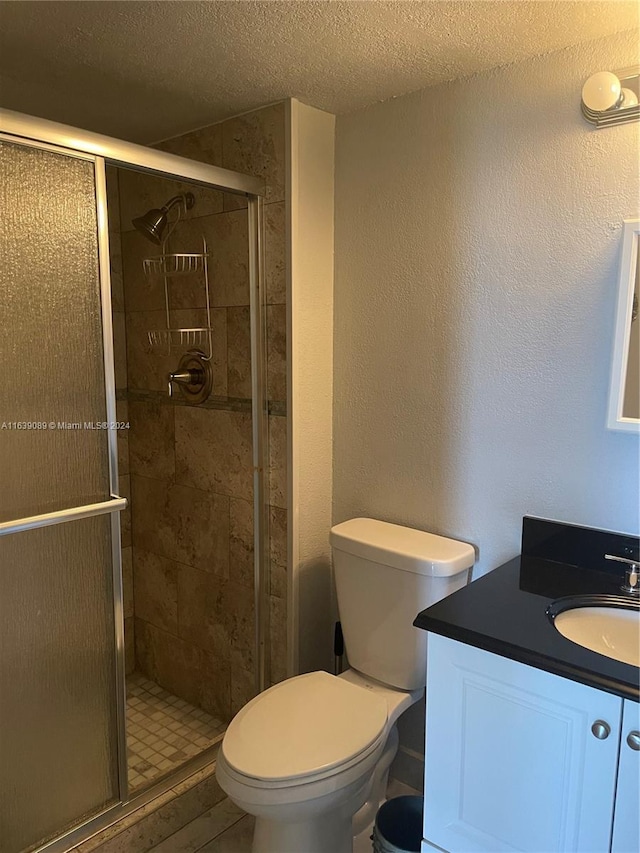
[267, 744]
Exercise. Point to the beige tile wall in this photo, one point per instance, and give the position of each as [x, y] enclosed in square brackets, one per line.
[191, 467]
[254, 143]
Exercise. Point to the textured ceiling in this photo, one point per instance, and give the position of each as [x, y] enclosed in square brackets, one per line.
[149, 70]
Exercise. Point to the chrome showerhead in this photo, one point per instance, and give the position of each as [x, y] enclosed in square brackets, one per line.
[153, 223]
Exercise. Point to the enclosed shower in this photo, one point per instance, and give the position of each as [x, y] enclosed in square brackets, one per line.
[134, 526]
[187, 453]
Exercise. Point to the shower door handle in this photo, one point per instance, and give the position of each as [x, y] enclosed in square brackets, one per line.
[114, 504]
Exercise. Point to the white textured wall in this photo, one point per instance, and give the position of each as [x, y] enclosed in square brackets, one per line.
[478, 229]
[478, 232]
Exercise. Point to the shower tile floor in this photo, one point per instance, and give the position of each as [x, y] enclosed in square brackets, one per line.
[162, 731]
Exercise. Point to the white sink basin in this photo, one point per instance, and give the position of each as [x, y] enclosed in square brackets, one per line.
[610, 631]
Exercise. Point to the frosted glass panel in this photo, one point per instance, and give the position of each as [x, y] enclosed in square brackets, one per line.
[51, 343]
[57, 713]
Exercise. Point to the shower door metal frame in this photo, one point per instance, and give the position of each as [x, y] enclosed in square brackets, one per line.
[260, 427]
[115, 504]
[36, 132]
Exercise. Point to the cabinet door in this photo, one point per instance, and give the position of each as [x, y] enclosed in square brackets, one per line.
[626, 821]
[511, 760]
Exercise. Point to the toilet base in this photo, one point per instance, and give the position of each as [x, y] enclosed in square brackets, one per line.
[338, 830]
[326, 833]
[312, 818]
[364, 818]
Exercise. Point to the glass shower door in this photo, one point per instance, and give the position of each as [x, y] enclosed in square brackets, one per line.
[61, 726]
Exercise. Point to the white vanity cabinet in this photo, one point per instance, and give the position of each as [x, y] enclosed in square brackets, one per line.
[626, 822]
[518, 759]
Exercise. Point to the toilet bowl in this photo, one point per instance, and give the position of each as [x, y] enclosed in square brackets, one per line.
[309, 757]
[302, 756]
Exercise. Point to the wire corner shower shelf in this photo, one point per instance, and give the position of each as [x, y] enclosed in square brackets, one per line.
[172, 339]
[169, 266]
[182, 263]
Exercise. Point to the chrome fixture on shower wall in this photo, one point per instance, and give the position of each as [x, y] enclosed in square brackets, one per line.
[611, 97]
[194, 376]
[154, 222]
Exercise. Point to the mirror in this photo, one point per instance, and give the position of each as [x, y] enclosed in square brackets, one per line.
[624, 397]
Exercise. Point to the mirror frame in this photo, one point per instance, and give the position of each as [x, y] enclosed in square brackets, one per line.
[622, 333]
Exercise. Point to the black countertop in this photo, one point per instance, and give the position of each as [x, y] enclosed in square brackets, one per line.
[504, 612]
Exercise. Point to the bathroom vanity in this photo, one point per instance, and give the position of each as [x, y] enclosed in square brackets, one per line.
[532, 741]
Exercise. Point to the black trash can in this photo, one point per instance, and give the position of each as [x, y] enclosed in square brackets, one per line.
[398, 826]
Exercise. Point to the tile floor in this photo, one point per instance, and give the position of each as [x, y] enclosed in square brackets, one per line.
[227, 829]
[222, 829]
[162, 731]
[193, 817]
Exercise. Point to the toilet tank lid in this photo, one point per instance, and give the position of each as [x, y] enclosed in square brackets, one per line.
[402, 548]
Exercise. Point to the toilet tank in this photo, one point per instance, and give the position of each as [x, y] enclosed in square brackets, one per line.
[385, 575]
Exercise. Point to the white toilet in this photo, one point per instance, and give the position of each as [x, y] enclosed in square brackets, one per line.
[310, 756]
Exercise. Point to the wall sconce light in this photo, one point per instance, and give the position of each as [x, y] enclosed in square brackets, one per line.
[611, 97]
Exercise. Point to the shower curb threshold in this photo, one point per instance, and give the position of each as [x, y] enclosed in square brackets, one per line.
[154, 805]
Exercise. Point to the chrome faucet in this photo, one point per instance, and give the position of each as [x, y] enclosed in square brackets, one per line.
[631, 578]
